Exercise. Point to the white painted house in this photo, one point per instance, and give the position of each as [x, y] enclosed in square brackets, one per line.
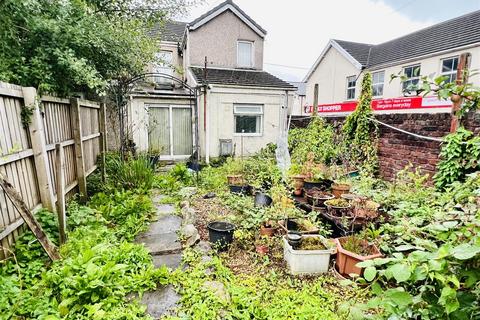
[432, 51]
[238, 103]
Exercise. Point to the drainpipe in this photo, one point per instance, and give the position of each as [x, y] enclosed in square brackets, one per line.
[205, 118]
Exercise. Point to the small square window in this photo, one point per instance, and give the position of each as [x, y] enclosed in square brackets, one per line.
[378, 79]
[248, 119]
[449, 69]
[413, 77]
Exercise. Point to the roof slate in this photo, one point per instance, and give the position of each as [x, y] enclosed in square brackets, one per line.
[169, 31]
[450, 34]
[247, 78]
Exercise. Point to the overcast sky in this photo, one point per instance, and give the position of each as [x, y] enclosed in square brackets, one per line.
[299, 30]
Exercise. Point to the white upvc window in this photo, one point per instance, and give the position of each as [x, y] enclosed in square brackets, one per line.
[245, 54]
[378, 80]
[449, 69]
[351, 83]
[412, 74]
[248, 119]
[163, 65]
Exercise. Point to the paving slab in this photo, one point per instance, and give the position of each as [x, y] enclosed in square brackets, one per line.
[172, 260]
[163, 243]
[161, 301]
[164, 209]
[165, 224]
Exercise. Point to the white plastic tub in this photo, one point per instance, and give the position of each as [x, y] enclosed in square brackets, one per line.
[306, 261]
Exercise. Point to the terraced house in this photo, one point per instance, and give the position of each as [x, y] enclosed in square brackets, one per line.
[432, 51]
[240, 107]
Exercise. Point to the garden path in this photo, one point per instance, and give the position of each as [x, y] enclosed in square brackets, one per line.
[161, 239]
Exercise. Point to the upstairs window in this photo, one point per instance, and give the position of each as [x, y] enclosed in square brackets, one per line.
[245, 54]
[248, 119]
[351, 83]
[412, 74]
[449, 69]
[378, 79]
[164, 65]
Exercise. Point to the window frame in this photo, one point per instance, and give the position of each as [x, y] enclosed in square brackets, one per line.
[354, 88]
[162, 68]
[252, 54]
[450, 73]
[413, 78]
[378, 83]
[259, 114]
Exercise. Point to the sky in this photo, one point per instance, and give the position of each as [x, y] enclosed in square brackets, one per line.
[299, 30]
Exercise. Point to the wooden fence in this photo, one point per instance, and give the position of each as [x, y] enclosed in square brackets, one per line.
[55, 133]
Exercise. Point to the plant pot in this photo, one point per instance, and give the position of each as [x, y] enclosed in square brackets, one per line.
[194, 166]
[262, 199]
[220, 234]
[306, 261]
[347, 260]
[338, 211]
[340, 188]
[244, 190]
[267, 231]
[298, 183]
[154, 160]
[294, 240]
[322, 185]
[317, 199]
[235, 179]
[262, 249]
[349, 196]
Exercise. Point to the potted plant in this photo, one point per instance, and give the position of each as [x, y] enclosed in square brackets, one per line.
[234, 172]
[312, 255]
[352, 250]
[365, 209]
[297, 177]
[262, 245]
[341, 184]
[338, 207]
[317, 197]
[154, 157]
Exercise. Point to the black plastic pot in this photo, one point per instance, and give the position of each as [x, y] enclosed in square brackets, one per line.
[194, 166]
[262, 199]
[220, 234]
[294, 240]
[154, 161]
[242, 190]
[323, 185]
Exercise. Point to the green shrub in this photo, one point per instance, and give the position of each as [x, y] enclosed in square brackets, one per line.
[130, 174]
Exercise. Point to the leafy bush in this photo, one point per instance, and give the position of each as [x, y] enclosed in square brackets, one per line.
[176, 178]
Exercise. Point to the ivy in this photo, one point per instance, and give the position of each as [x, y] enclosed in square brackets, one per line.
[361, 133]
[460, 156]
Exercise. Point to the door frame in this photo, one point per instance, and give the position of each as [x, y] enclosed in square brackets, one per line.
[170, 108]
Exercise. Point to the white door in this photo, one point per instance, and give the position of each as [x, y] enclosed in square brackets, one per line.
[170, 131]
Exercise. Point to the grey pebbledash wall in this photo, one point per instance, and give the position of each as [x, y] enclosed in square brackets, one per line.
[396, 149]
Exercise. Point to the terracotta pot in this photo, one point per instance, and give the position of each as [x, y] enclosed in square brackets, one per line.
[235, 179]
[340, 188]
[267, 231]
[298, 182]
[262, 249]
[347, 260]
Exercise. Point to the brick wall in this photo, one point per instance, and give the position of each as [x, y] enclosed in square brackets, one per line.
[396, 149]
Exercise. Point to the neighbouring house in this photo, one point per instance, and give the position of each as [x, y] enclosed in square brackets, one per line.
[432, 51]
[240, 107]
[299, 98]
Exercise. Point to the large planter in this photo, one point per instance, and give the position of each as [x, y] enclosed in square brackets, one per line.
[298, 183]
[306, 261]
[317, 198]
[340, 188]
[347, 260]
[235, 179]
[262, 199]
[220, 234]
[336, 210]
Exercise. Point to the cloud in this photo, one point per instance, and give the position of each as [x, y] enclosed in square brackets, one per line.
[299, 30]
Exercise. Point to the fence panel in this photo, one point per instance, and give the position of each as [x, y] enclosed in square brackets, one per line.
[17, 160]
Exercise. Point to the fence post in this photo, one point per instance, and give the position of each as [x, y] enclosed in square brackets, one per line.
[77, 137]
[102, 128]
[60, 167]
[39, 147]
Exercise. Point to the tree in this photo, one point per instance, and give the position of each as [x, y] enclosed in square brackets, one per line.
[78, 45]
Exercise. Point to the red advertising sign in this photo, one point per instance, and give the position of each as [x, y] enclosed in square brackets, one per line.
[385, 104]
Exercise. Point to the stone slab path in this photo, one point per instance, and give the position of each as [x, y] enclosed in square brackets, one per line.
[161, 239]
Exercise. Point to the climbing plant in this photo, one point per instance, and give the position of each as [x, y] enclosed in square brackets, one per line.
[460, 156]
[361, 133]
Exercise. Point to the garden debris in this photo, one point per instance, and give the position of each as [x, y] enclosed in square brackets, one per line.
[209, 195]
